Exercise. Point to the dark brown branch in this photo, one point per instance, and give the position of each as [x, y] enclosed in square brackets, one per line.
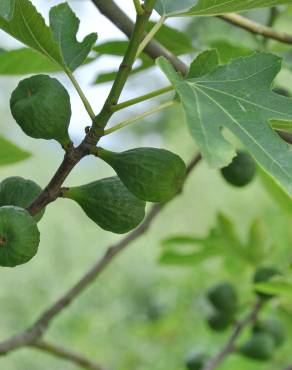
[256, 28]
[229, 347]
[36, 331]
[67, 355]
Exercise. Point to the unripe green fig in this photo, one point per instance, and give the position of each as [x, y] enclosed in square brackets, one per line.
[240, 171]
[260, 347]
[262, 275]
[109, 204]
[271, 326]
[219, 321]
[41, 107]
[19, 236]
[224, 298]
[16, 191]
[196, 361]
[153, 175]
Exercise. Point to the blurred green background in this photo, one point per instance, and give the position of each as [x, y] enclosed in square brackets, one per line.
[139, 314]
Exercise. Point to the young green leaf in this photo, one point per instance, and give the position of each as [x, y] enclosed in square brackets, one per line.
[19, 236]
[41, 107]
[238, 96]
[109, 204]
[154, 175]
[16, 191]
[173, 8]
[10, 153]
[65, 25]
[203, 64]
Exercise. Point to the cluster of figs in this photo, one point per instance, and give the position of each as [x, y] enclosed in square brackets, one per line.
[41, 107]
[266, 335]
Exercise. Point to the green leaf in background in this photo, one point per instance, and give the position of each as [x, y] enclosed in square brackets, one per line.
[65, 25]
[20, 19]
[237, 96]
[10, 153]
[25, 61]
[174, 40]
[221, 241]
[228, 51]
[275, 191]
[280, 287]
[173, 8]
[205, 63]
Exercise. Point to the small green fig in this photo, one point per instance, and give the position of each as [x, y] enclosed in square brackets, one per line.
[19, 236]
[109, 204]
[271, 326]
[219, 321]
[16, 191]
[224, 298]
[259, 347]
[196, 361]
[153, 175]
[41, 107]
[240, 171]
[264, 274]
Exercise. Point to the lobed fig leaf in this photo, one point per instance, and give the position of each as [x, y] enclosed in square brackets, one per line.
[16, 191]
[260, 347]
[273, 327]
[224, 298]
[109, 204]
[41, 107]
[219, 321]
[19, 236]
[153, 175]
[241, 171]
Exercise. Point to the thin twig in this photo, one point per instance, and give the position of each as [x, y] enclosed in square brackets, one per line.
[67, 355]
[229, 347]
[256, 28]
[34, 333]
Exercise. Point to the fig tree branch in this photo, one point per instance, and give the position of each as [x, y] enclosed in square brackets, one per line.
[36, 331]
[67, 355]
[256, 28]
[74, 155]
[229, 346]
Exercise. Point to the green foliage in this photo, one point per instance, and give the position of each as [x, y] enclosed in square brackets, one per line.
[241, 171]
[222, 241]
[10, 153]
[264, 274]
[260, 347]
[19, 236]
[20, 19]
[244, 106]
[153, 175]
[16, 191]
[224, 298]
[109, 204]
[64, 25]
[25, 61]
[172, 8]
[271, 326]
[41, 107]
[196, 361]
